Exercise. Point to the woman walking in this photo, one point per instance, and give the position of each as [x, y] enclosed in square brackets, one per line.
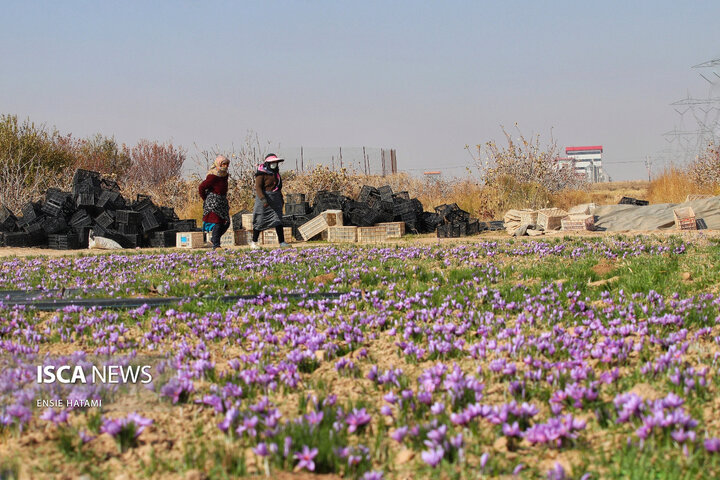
[213, 190]
[268, 211]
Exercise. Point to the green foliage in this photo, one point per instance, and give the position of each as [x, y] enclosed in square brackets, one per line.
[26, 143]
[102, 154]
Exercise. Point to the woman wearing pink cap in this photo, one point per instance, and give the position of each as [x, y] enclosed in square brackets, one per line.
[268, 211]
[213, 190]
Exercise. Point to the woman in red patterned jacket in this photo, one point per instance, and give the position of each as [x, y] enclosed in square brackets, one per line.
[213, 190]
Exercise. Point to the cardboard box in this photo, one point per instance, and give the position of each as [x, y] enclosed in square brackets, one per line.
[191, 240]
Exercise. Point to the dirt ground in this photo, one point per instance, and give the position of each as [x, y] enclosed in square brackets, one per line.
[427, 239]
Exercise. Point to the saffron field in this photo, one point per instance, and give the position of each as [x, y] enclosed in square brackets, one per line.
[575, 357]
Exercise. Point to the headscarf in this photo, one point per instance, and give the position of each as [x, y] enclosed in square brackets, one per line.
[218, 168]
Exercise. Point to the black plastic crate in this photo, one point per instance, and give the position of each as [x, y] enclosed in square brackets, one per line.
[166, 238]
[473, 227]
[85, 200]
[129, 217]
[169, 214]
[236, 221]
[297, 208]
[443, 230]
[82, 176]
[142, 202]
[294, 198]
[66, 241]
[430, 220]
[403, 208]
[58, 203]
[411, 221]
[296, 219]
[82, 234]
[80, 219]
[106, 219]
[107, 184]
[110, 200]
[30, 212]
[458, 216]
[401, 196]
[496, 225]
[86, 181]
[86, 186]
[363, 216]
[633, 201]
[151, 220]
[129, 240]
[53, 225]
[366, 192]
[190, 225]
[8, 221]
[386, 193]
[35, 226]
[16, 239]
[37, 236]
[126, 229]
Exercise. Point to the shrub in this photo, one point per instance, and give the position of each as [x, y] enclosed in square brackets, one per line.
[31, 159]
[153, 163]
[524, 174]
[102, 154]
[673, 186]
[705, 170]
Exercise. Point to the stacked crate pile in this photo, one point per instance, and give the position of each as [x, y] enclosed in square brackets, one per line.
[63, 220]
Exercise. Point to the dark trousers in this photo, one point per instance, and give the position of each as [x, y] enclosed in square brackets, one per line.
[218, 231]
[280, 234]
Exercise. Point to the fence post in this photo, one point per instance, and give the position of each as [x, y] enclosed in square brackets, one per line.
[393, 161]
[302, 162]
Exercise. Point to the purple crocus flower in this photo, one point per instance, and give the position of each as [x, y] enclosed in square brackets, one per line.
[399, 434]
[712, 444]
[433, 456]
[557, 472]
[261, 449]
[305, 458]
[56, 417]
[314, 418]
[111, 427]
[483, 461]
[84, 437]
[356, 419]
[374, 475]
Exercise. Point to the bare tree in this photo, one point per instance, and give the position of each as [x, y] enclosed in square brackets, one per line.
[525, 171]
[244, 161]
[20, 182]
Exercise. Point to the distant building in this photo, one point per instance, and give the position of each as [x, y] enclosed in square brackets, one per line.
[433, 175]
[587, 162]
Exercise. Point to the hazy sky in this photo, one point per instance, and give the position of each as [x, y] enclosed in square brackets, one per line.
[426, 78]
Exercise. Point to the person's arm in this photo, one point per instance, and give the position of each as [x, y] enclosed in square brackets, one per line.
[259, 192]
[205, 185]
